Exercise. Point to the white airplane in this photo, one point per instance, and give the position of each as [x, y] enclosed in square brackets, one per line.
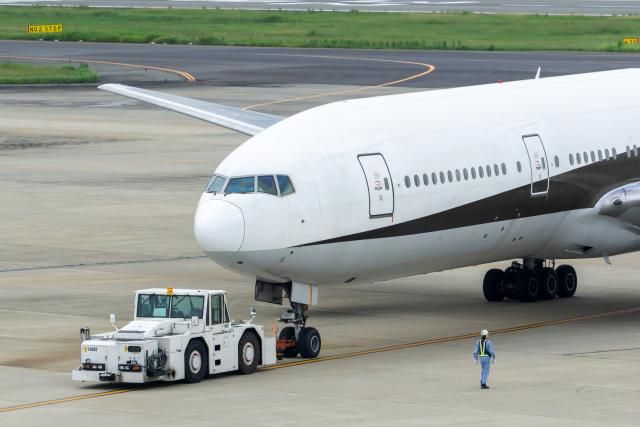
[385, 187]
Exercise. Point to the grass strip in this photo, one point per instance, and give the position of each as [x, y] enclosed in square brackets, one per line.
[458, 31]
[12, 73]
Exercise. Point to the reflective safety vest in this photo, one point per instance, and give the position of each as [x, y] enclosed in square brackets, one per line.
[483, 348]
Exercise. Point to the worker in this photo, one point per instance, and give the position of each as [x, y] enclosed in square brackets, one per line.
[484, 353]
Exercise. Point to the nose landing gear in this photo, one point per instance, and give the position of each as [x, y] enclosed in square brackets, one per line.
[297, 338]
[530, 281]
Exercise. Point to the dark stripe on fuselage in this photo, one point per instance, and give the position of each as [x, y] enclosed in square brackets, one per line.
[576, 189]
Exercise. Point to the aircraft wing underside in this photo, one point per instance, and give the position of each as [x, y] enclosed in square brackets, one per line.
[237, 119]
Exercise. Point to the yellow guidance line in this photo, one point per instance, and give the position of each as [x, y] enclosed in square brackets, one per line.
[66, 399]
[185, 75]
[341, 356]
[429, 69]
[448, 339]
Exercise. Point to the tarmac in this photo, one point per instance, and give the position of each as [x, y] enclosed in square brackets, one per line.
[156, 65]
[98, 198]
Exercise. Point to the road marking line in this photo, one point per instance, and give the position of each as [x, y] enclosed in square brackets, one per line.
[188, 77]
[447, 339]
[65, 399]
[429, 69]
[339, 356]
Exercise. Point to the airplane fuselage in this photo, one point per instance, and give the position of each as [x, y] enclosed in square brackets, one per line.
[408, 184]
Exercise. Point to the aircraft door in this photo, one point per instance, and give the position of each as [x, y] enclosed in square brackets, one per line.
[538, 164]
[379, 184]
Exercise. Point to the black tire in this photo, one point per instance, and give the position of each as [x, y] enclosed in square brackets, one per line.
[287, 333]
[528, 286]
[567, 281]
[549, 283]
[309, 343]
[492, 285]
[509, 282]
[248, 353]
[196, 362]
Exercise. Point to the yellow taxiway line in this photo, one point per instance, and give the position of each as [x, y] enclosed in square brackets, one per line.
[428, 69]
[340, 356]
[188, 77]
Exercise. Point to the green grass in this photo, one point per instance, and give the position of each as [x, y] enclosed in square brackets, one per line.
[327, 29]
[12, 73]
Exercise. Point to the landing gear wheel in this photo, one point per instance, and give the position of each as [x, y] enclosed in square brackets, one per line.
[288, 333]
[492, 285]
[248, 353]
[509, 282]
[196, 364]
[568, 281]
[527, 286]
[548, 283]
[309, 343]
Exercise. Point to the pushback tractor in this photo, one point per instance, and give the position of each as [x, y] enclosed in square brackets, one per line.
[176, 334]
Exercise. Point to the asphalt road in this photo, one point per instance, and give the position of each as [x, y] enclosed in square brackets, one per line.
[584, 7]
[241, 66]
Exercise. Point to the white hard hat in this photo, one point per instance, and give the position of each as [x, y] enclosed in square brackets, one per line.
[484, 333]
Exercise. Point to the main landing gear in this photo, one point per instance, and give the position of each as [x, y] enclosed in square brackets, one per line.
[297, 338]
[530, 281]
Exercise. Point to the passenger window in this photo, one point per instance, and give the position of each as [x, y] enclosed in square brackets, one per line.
[571, 159]
[434, 178]
[457, 174]
[635, 151]
[425, 179]
[450, 175]
[416, 180]
[628, 152]
[266, 184]
[557, 161]
[614, 153]
[241, 185]
[504, 169]
[473, 173]
[465, 173]
[442, 180]
[585, 157]
[519, 166]
[386, 184]
[488, 171]
[593, 156]
[578, 158]
[407, 181]
[216, 184]
[496, 170]
[544, 164]
[599, 154]
[286, 187]
[606, 153]
[481, 171]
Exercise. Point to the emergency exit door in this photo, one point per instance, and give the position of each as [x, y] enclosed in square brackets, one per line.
[538, 164]
[379, 184]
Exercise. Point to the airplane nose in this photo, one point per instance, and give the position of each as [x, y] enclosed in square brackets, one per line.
[219, 227]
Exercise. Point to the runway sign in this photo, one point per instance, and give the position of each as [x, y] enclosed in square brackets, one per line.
[632, 40]
[49, 28]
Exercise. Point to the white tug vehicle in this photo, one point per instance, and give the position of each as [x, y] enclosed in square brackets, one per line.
[176, 334]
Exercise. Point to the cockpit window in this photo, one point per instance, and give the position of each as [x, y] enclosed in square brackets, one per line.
[266, 184]
[216, 184]
[241, 185]
[286, 187]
